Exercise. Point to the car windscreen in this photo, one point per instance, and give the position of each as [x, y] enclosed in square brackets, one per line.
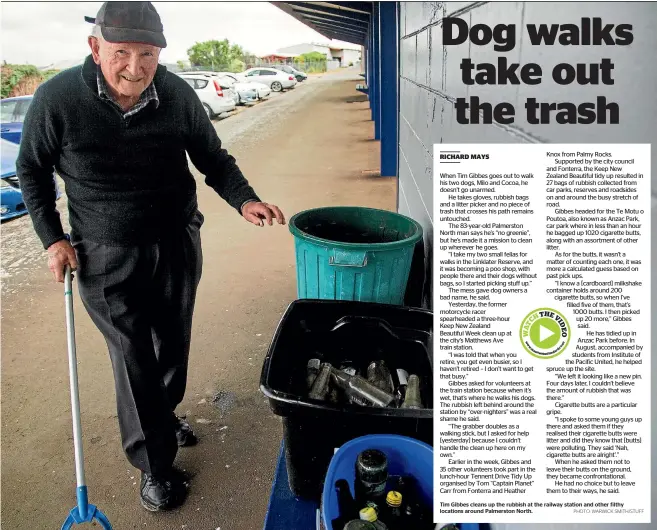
[14, 111]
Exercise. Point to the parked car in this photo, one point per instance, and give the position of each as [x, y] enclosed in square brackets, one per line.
[12, 115]
[11, 198]
[246, 92]
[300, 76]
[225, 83]
[215, 98]
[244, 86]
[275, 79]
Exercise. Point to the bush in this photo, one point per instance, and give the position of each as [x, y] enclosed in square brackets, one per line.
[312, 57]
[22, 79]
[311, 67]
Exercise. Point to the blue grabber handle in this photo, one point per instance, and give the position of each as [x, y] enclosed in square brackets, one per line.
[83, 512]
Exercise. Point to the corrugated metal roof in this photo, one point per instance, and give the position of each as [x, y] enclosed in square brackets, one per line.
[346, 21]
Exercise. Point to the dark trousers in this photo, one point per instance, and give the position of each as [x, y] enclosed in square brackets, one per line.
[141, 298]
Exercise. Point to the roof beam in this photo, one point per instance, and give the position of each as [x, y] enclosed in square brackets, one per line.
[353, 39]
[329, 26]
[355, 7]
[323, 10]
[338, 24]
[339, 21]
[346, 38]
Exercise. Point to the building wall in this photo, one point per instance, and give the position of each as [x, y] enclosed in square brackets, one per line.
[346, 55]
[298, 49]
[430, 79]
[323, 49]
[350, 56]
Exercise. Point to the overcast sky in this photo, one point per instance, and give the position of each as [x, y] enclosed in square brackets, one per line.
[44, 33]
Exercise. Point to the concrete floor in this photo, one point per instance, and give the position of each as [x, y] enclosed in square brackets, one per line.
[302, 149]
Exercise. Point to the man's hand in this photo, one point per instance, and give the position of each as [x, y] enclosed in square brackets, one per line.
[61, 254]
[255, 212]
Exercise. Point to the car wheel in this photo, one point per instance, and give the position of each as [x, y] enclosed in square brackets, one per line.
[208, 110]
[276, 86]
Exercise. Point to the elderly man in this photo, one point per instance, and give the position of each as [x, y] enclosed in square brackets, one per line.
[118, 130]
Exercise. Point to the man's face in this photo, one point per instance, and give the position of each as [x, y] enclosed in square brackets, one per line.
[128, 67]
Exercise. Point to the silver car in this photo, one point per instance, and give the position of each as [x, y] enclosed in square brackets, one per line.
[217, 96]
[271, 77]
[246, 89]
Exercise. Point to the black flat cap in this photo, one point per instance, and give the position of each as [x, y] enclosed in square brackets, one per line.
[130, 22]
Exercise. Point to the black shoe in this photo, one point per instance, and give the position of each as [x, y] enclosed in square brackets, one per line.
[184, 433]
[160, 494]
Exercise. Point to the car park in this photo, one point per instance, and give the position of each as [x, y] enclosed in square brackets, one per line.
[275, 79]
[11, 198]
[216, 99]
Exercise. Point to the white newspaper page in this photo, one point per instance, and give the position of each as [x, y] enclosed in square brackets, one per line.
[542, 359]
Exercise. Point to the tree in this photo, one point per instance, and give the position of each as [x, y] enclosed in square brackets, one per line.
[215, 54]
[180, 65]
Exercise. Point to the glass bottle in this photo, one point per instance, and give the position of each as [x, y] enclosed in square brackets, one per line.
[311, 372]
[369, 514]
[371, 477]
[356, 387]
[402, 376]
[394, 514]
[379, 375]
[320, 388]
[412, 399]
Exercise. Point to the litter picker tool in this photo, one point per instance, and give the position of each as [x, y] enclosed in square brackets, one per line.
[83, 512]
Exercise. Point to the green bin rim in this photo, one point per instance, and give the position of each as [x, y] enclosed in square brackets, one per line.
[391, 245]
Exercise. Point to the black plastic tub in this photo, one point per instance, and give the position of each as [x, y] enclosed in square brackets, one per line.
[335, 332]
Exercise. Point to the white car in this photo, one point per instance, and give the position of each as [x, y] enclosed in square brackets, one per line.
[216, 98]
[247, 91]
[271, 77]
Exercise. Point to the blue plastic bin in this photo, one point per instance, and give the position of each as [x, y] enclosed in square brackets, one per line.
[405, 456]
[352, 253]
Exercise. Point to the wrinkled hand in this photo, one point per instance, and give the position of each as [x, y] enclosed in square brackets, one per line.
[61, 254]
[255, 212]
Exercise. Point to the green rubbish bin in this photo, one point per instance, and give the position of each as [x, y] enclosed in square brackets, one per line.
[353, 253]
